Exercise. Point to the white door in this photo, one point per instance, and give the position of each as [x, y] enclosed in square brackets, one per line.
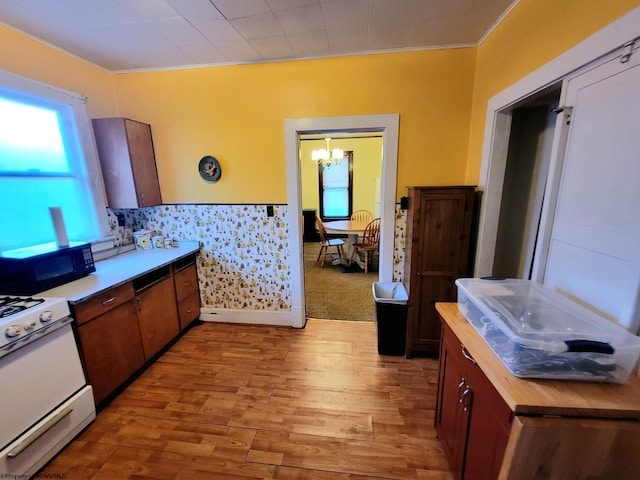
[594, 250]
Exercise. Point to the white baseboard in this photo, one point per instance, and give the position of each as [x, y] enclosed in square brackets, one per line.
[252, 317]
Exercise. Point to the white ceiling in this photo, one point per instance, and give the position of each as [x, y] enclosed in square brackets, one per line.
[125, 35]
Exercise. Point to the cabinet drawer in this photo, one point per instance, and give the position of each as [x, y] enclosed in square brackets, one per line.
[186, 281]
[102, 302]
[189, 309]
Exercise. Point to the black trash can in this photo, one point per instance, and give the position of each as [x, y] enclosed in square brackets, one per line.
[391, 317]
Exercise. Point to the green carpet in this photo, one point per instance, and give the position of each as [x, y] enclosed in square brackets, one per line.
[333, 295]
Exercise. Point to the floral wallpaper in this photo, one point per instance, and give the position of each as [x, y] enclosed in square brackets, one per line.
[399, 244]
[243, 261]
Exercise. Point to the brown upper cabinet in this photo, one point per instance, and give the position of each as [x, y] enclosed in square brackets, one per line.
[127, 159]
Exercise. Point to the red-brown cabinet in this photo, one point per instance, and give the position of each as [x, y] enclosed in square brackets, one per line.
[472, 420]
[494, 425]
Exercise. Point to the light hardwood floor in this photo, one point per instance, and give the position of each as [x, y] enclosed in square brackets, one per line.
[240, 402]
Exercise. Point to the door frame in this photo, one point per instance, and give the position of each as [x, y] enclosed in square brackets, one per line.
[498, 127]
[388, 126]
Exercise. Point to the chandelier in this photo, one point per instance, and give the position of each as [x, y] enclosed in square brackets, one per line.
[326, 156]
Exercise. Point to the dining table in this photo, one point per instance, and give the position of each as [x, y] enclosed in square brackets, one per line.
[351, 228]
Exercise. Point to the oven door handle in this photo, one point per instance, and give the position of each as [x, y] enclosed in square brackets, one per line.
[41, 430]
[26, 340]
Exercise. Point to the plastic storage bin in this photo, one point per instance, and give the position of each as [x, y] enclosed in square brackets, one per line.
[539, 333]
[391, 317]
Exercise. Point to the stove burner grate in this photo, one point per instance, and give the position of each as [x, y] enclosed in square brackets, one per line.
[12, 305]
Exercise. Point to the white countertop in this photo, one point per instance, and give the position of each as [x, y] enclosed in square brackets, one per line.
[120, 269]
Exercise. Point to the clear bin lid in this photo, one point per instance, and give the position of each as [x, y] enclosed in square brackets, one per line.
[538, 317]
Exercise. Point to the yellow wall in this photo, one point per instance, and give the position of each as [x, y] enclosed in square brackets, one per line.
[237, 113]
[24, 56]
[367, 167]
[534, 33]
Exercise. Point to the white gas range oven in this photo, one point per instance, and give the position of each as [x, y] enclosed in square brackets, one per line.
[45, 400]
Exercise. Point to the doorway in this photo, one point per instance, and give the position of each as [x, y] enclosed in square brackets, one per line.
[587, 241]
[387, 125]
[498, 121]
[525, 179]
[332, 192]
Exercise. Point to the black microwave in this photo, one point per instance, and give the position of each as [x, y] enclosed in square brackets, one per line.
[30, 270]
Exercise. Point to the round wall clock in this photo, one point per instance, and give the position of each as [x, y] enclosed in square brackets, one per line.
[209, 169]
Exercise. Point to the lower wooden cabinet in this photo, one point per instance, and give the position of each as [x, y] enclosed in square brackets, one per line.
[187, 292]
[189, 309]
[123, 328]
[472, 420]
[111, 348]
[157, 316]
[494, 425]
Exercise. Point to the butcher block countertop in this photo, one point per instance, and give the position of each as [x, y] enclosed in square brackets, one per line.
[545, 397]
[120, 269]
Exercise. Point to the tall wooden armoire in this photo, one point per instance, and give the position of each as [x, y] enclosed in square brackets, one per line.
[439, 222]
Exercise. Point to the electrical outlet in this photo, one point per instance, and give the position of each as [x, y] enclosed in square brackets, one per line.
[269, 210]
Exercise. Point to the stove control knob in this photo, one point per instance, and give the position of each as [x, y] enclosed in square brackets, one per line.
[46, 316]
[13, 331]
[29, 326]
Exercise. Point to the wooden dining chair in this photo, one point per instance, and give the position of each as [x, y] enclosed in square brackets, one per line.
[362, 216]
[369, 245]
[327, 243]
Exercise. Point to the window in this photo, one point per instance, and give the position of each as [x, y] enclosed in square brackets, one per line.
[43, 164]
[336, 188]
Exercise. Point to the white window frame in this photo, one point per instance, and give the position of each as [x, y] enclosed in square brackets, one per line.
[77, 102]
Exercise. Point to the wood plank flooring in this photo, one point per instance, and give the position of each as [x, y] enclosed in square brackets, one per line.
[259, 402]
